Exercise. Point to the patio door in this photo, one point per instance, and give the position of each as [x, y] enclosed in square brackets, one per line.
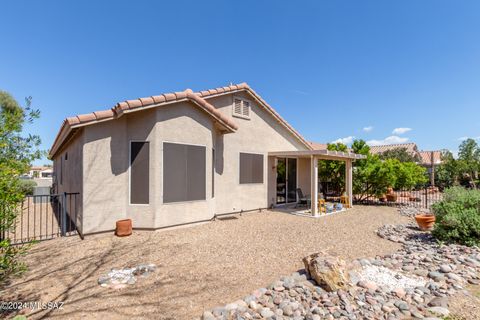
[286, 180]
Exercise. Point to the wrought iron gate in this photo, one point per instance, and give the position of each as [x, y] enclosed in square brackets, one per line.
[45, 217]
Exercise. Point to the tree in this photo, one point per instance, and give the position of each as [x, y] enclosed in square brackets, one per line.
[469, 161]
[333, 171]
[410, 175]
[16, 154]
[373, 176]
[446, 174]
[401, 154]
[360, 147]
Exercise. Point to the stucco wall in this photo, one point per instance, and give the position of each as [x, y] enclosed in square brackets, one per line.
[107, 167]
[72, 180]
[106, 164]
[259, 134]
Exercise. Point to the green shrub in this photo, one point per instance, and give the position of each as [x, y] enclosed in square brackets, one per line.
[458, 217]
[27, 186]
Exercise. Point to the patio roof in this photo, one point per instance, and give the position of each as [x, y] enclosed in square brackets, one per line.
[321, 154]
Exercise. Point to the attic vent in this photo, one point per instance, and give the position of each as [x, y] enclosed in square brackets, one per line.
[237, 108]
[241, 108]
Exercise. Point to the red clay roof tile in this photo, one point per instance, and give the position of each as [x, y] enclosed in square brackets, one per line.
[104, 114]
[146, 101]
[134, 103]
[159, 99]
[169, 96]
[181, 95]
[86, 117]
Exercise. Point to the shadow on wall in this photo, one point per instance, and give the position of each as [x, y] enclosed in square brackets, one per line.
[219, 149]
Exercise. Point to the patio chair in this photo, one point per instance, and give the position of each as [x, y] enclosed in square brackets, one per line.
[302, 200]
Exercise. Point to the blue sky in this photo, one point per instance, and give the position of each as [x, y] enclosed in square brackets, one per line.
[331, 68]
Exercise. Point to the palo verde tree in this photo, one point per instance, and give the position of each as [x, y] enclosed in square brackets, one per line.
[17, 151]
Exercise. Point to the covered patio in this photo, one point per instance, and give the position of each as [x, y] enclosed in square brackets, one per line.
[293, 170]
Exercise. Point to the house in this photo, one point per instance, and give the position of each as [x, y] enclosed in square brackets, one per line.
[428, 159]
[40, 172]
[184, 157]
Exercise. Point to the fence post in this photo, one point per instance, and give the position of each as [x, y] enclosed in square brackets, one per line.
[64, 215]
[426, 197]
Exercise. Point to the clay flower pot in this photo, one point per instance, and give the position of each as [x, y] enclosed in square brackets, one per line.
[391, 197]
[124, 228]
[425, 221]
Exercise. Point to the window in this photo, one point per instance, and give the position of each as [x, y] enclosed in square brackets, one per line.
[241, 108]
[184, 172]
[213, 173]
[139, 172]
[251, 168]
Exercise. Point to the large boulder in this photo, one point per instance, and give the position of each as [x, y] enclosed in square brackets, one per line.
[327, 271]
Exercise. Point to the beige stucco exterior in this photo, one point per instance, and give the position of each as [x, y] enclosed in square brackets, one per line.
[100, 171]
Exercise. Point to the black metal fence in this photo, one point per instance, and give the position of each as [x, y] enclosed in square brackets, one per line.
[422, 197]
[45, 217]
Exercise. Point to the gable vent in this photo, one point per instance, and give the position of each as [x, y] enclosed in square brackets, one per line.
[237, 108]
[241, 108]
[246, 109]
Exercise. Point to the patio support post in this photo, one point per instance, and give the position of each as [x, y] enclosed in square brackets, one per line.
[349, 181]
[314, 185]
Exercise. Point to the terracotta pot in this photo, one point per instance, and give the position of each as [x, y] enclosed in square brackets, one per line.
[124, 228]
[414, 199]
[425, 221]
[392, 197]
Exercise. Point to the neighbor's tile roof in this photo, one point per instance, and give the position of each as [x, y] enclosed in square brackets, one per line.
[426, 157]
[411, 148]
[197, 98]
[318, 146]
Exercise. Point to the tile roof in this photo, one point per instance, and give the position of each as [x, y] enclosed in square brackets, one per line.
[426, 157]
[318, 146]
[197, 98]
[411, 148]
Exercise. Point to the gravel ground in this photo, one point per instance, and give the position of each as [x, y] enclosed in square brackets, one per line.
[198, 268]
[466, 306]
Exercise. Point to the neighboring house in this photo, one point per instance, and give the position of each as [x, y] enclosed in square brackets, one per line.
[429, 159]
[411, 148]
[184, 157]
[40, 172]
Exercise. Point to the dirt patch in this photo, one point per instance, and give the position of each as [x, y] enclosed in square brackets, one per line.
[198, 268]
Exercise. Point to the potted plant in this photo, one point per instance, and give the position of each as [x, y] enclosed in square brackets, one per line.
[391, 197]
[425, 221]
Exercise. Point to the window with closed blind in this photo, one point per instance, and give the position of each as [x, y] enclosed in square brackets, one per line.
[139, 172]
[251, 168]
[241, 108]
[184, 172]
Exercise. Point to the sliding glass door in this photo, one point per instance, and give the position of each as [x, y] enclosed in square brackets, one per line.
[291, 180]
[286, 180]
[281, 181]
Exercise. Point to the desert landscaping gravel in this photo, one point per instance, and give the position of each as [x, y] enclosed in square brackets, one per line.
[197, 268]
